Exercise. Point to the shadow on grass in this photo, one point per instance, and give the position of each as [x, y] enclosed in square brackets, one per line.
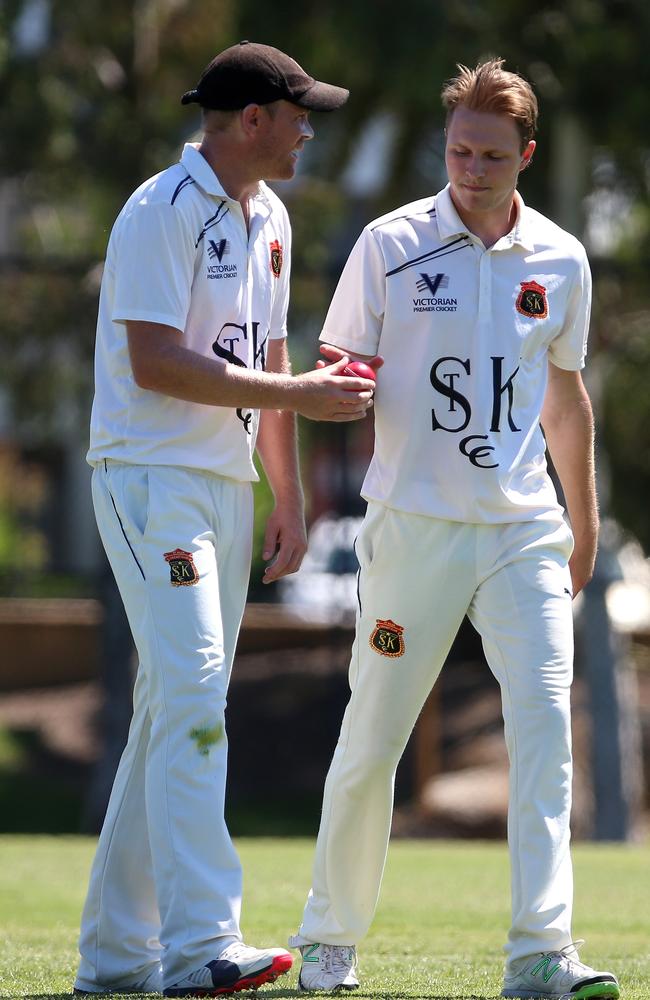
[277, 994]
[281, 994]
[359, 995]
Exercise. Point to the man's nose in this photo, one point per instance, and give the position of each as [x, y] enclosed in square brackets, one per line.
[475, 166]
[307, 131]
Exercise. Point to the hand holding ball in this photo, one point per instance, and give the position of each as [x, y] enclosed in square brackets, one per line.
[360, 369]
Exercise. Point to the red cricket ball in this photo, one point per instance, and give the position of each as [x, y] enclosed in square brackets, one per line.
[361, 369]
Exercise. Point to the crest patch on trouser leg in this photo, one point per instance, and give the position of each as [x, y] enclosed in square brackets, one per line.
[386, 638]
[182, 570]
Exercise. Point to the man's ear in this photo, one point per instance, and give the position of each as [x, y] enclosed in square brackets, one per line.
[251, 117]
[527, 155]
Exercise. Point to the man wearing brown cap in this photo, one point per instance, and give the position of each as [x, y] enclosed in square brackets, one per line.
[191, 346]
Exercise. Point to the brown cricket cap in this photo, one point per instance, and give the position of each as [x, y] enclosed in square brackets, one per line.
[250, 73]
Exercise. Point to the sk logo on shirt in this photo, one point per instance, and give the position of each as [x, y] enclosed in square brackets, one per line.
[386, 638]
[182, 569]
[276, 258]
[532, 300]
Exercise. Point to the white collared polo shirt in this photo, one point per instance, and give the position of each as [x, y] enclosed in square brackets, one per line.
[180, 255]
[466, 333]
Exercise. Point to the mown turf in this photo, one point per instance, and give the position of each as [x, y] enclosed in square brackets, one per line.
[438, 933]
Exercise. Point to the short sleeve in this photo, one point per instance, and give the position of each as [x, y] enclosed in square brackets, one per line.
[569, 349]
[355, 316]
[280, 305]
[154, 266]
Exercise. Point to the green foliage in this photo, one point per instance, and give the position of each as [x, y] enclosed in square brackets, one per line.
[626, 424]
[439, 930]
[317, 208]
[98, 110]
[88, 117]
[23, 547]
[47, 334]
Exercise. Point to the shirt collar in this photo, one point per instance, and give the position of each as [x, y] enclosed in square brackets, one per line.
[449, 221]
[200, 171]
[522, 232]
[451, 224]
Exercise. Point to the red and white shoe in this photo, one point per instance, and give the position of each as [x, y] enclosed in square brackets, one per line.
[238, 967]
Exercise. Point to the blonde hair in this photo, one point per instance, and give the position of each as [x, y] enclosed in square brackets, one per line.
[222, 121]
[217, 121]
[491, 88]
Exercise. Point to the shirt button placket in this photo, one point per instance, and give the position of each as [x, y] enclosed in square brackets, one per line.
[485, 289]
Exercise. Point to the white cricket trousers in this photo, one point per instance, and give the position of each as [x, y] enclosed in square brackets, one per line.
[424, 575]
[165, 884]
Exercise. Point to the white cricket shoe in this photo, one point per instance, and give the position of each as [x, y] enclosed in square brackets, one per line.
[559, 975]
[329, 967]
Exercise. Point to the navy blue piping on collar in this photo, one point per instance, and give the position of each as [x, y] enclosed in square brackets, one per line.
[186, 180]
[433, 254]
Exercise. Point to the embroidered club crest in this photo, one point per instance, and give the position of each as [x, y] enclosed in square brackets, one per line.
[276, 258]
[386, 638]
[532, 300]
[182, 570]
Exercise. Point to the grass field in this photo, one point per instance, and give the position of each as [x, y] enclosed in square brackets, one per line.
[438, 933]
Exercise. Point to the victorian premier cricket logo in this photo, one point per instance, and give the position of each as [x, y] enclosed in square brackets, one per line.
[430, 299]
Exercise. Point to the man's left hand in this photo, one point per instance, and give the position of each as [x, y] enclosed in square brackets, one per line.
[285, 541]
[581, 564]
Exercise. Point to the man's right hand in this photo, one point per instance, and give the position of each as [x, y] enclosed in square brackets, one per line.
[162, 363]
[327, 394]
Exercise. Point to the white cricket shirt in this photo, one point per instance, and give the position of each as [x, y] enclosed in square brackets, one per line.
[179, 254]
[466, 334]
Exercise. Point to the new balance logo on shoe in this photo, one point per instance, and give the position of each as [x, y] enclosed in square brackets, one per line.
[559, 975]
[543, 967]
[330, 967]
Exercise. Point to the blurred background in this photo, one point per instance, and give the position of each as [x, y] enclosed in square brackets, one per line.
[90, 108]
